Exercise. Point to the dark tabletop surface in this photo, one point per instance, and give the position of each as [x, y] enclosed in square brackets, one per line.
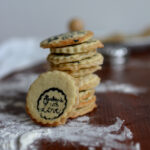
[133, 108]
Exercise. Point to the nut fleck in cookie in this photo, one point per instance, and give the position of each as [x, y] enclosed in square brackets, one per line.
[49, 100]
[65, 39]
[95, 60]
[80, 48]
[81, 72]
[83, 110]
[61, 58]
[88, 82]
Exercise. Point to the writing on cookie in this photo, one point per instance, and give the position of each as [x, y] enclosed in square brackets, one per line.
[51, 104]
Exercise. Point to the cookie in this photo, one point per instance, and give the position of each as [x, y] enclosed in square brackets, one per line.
[88, 82]
[83, 95]
[86, 102]
[85, 47]
[81, 72]
[54, 124]
[61, 58]
[84, 110]
[65, 39]
[51, 98]
[95, 60]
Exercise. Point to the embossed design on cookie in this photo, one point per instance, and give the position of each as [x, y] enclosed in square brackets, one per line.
[51, 104]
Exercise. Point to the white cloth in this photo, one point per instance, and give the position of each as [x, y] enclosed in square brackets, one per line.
[19, 53]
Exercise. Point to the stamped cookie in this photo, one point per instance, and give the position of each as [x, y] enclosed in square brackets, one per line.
[80, 48]
[86, 102]
[84, 110]
[51, 98]
[83, 95]
[61, 58]
[95, 60]
[65, 39]
[88, 82]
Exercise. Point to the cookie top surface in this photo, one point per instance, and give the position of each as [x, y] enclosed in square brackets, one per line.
[51, 97]
[65, 39]
[87, 46]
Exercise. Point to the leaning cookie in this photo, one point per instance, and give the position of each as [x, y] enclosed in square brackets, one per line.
[80, 48]
[51, 98]
[65, 39]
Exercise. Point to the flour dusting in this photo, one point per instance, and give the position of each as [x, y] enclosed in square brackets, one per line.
[119, 87]
[20, 129]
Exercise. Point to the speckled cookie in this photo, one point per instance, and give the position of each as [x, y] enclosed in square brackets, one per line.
[61, 58]
[83, 110]
[83, 95]
[93, 61]
[51, 98]
[65, 39]
[88, 82]
[85, 47]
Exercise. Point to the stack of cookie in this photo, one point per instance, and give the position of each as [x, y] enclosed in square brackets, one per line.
[75, 53]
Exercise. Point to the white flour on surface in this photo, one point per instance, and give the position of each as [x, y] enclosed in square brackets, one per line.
[112, 86]
[20, 129]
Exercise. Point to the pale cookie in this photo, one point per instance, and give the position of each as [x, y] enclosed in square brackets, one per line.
[88, 82]
[65, 39]
[81, 72]
[83, 95]
[61, 58]
[82, 111]
[80, 48]
[87, 102]
[51, 98]
[85, 63]
[61, 122]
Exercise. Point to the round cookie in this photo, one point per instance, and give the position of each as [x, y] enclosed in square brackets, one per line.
[65, 39]
[95, 60]
[51, 98]
[88, 82]
[80, 48]
[83, 95]
[84, 110]
[81, 72]
[87, 101]
[61, 58]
